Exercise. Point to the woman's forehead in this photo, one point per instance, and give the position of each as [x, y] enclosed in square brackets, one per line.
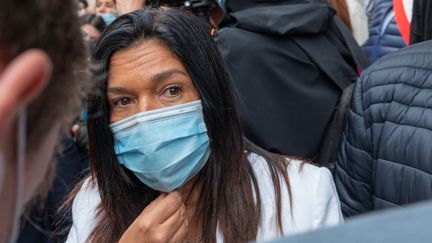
[143, 60]
[145, 54]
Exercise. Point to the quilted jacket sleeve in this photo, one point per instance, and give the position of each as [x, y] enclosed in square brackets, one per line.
[353, 172]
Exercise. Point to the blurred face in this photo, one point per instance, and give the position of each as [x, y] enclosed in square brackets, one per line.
[81, 9]
[105, 6]
[21, 81]
[90, 32]
[146, 77]
[28, 74]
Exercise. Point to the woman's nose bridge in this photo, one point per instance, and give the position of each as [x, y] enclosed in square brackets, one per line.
[148, 103]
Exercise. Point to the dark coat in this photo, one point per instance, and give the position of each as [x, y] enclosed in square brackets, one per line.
[421, 25]
[287, 99]
[385, 158]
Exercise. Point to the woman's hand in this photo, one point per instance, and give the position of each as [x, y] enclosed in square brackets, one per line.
[164, 220]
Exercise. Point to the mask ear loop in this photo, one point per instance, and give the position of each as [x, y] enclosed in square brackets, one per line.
[2, 169]
[21, 159]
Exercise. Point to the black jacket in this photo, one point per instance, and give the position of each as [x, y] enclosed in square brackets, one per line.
[385, 158]
[421, 24]
[271, 52]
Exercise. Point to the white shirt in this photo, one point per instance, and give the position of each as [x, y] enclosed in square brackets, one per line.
[359, 20]
[314, 204]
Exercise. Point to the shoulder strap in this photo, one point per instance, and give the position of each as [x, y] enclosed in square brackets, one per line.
[332, 138]
[330, 144]
[328, 58]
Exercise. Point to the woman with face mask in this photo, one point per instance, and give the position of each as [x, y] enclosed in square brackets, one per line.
[107, 10]
[169, 162]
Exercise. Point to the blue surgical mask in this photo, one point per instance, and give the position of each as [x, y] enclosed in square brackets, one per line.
[108, 17]
[164, 148]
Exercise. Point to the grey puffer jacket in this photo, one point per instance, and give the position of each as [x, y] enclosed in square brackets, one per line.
[385, 158]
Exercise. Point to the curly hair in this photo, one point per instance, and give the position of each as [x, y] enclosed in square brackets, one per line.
[53, 27]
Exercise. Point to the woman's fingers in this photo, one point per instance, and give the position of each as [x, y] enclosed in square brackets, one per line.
[175, 222]
[162, 208]
[162, 220]
[155, 202]
[180, 235]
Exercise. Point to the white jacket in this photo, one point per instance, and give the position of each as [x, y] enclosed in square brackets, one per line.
[315, 203]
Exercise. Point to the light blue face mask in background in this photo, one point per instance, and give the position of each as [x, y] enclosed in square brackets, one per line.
[108, 17]
[164, 148]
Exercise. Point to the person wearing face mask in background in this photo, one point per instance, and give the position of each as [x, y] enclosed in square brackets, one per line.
[42, 80]
[107, 10]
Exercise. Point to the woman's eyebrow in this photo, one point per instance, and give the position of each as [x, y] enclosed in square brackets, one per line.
[167, 74]
[118, 90]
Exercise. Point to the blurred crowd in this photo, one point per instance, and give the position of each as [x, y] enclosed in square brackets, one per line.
[210, 120]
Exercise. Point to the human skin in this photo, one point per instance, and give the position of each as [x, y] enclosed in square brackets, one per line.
[127, 6]
[21, 81]
[105, 6]
[90, 32]
[133, 89]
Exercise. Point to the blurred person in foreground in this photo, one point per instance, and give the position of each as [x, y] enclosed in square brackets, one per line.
[42, 83]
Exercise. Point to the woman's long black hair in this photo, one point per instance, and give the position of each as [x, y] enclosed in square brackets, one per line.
[227, 183]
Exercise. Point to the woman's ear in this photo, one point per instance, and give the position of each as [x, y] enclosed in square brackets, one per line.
[21, 81]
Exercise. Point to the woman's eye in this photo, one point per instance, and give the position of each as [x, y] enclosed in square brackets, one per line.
[172, 91]
[122, 101]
